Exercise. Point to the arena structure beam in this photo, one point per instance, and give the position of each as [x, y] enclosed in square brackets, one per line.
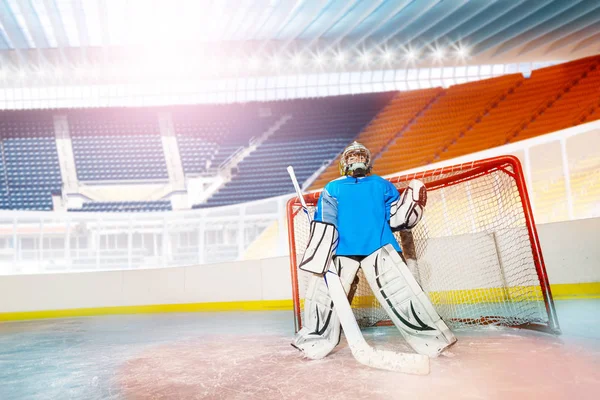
[577, 36]
[584, 19]
[249, 29]
[34, 25]
[534, 27]
[408, 15]
[253, 30]
[499, 24]
[348, 29]
[233, 23]
[103, 16]
[82, 31]
[58, 28]
[490, 13]
[324, 27]
[459, 18]
[423, 23]
[297, 21]
[14, 32]
[388, 15]
[594, 39]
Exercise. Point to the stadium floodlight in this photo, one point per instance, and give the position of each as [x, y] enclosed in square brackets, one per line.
[319, 59]
[365, 58]
[388, 55]
[410, 54]
[340, 57]
[438, 53]
[462, 51]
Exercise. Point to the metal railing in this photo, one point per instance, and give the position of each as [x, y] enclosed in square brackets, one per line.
[39, 242]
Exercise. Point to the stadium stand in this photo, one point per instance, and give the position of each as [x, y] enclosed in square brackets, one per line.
[117, 144]
[209, 135]
[456, 110]
[125, 206]
[403, 130]
[589, 113]
[568, 105]
[4, 197]
[509, 120]
[29, 165]
[318, 131]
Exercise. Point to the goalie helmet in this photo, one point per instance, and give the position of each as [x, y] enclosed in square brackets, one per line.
[355, 160]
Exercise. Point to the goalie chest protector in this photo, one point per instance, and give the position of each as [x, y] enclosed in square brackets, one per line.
[360, 209]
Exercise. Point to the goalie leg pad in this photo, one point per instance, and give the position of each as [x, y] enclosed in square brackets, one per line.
[322, 244]
[321, 330]
[405, 302]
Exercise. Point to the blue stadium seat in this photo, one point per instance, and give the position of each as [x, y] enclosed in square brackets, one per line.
[117, 145]
[318, 131]
[209, 135]
[29, 169]
[125, 206]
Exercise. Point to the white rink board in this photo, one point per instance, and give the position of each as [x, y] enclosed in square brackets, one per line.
[571, 253]
[267, 279]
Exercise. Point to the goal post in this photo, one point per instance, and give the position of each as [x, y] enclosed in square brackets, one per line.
[476, 252]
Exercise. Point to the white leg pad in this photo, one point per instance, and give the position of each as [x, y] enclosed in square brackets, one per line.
[320, 331]
[405, 302]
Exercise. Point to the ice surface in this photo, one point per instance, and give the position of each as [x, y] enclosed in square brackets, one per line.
[248, 356]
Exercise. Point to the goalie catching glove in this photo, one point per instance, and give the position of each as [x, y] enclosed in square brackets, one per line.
[407, 211]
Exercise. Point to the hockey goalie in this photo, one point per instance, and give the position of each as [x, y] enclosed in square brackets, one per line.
[353, 228]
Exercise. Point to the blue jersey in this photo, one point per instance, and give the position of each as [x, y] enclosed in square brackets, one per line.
[360, 210]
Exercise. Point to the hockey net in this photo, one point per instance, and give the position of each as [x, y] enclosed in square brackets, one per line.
[475, 252]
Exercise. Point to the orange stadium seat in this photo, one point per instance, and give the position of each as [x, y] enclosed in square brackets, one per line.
[590, 113]
[563, 112]
[520, 107]
[459, 108]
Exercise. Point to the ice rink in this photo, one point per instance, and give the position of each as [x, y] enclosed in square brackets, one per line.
[247, 356]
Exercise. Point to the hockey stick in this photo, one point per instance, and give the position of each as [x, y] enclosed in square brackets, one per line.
[408, 363]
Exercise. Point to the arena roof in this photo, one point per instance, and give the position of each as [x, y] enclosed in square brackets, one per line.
[318, 34]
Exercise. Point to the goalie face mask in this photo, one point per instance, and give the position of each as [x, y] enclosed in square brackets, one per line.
[355, 161]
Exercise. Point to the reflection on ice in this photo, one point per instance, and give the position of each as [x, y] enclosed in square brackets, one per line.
[247, 355]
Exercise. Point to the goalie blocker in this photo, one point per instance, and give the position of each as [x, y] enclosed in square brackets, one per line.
[321, 247]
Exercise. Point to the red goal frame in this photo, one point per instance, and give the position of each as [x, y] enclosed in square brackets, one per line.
[462, 172]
